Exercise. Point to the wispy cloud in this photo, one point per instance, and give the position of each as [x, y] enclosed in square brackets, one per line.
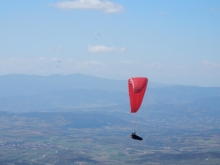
[100, 48]
[209, 64]
[153, 65]
[162, 13]
[214, 9]
[126, 62]
[92, 63]
[105, 6]
[55, 49]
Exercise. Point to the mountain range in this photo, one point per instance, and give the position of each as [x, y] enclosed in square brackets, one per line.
[28, 93]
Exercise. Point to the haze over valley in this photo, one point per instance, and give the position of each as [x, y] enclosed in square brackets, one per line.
[70, 118]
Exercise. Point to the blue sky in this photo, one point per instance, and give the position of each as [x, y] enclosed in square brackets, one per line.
[167, 41]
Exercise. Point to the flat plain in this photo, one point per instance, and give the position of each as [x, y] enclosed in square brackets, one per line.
[103, 137]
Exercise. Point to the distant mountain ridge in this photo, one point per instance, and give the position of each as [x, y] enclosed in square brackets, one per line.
[21, 93]
[179, 94]
[19, 84]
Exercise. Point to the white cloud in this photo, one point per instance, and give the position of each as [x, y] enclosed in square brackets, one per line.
[214, 9]
[209, 64]
[121, 50]
[42, 58]
[162, 13]
[154, 66]
[100, 48]
[55, 49]
[105, 6]
[92, 63]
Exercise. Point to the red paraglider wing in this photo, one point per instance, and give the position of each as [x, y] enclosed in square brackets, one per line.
[137, 87]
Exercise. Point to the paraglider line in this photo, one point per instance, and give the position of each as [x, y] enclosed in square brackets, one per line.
[135, 122]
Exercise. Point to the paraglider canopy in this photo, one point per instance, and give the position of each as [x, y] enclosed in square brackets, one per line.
[97, 34]
[137, 87]
[57, 63]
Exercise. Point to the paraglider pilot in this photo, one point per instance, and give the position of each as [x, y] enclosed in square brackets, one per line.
[136, 137]
[136, 89]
